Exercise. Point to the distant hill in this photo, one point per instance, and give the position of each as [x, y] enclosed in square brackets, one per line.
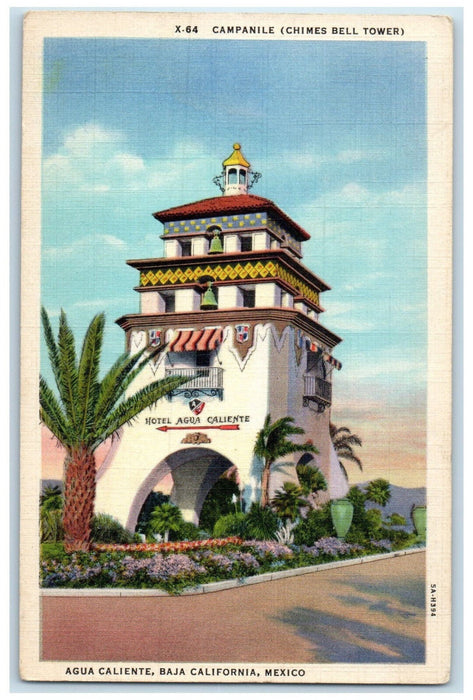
[401, 501]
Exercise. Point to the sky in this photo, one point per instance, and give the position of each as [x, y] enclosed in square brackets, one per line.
[338, 131]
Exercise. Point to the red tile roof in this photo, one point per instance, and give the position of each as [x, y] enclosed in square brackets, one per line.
[231, 204]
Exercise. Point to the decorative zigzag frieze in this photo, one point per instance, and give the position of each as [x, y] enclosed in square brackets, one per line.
[222, 273]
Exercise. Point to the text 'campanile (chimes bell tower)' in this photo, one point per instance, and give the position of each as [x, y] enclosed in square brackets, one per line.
[238, 313]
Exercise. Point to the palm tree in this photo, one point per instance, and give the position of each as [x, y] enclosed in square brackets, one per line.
[343, 440]
[164, 519]
[88, 411]
[311, 479]
[272, 443]
[378, 491]
[288, 501]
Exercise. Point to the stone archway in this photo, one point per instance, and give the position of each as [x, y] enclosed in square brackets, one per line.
[194, 471]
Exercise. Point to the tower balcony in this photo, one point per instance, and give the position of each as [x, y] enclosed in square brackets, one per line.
[203, 381]
[317, 390]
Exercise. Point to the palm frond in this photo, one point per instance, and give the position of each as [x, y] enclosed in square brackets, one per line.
[345, 473]
[53, 351]
[110, 388]
[334, 430]
[351, 456]
[347, 440]
[52, 415]
[120, 376]
[87, 383]
[67, 366]
[134, 404]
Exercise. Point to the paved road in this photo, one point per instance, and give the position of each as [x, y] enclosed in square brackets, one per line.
[369, 613]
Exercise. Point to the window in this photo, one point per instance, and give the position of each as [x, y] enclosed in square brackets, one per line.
[248, 298]
[169, 302]
[246, 243]
[242, 177]
[186, 248]
[232, 176]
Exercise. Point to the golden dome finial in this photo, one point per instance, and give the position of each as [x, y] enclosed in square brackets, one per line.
[237, 157]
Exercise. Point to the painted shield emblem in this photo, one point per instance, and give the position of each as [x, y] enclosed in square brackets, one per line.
[155, 337]
[196, 406]
[242, 332]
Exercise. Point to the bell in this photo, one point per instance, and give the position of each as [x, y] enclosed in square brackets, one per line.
[216, 245]
[209, 301]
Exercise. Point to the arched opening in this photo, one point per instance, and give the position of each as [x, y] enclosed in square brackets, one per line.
[189, 474]
[306, 458]
[232, 176]
[223, 498]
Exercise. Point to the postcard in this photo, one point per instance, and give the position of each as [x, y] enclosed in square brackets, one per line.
[236, 348]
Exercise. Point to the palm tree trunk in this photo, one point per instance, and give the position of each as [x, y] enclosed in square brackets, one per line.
[79, 498]
[265, 483]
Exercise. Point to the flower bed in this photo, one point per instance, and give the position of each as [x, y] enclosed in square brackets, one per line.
[178, 565]
[169, 547]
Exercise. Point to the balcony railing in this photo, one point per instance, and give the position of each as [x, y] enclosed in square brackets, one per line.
[203, 381]
[318, 390]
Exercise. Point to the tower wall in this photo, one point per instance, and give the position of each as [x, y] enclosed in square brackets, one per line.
[267, 378]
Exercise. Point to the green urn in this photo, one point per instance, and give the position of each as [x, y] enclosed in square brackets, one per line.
[419, 518]
[342, 515]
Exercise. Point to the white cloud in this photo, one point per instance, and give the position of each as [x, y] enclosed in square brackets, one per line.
[87, 138]
[353, 325]
[100, 303]
[394, 365]
[128, 162]
[352, 194]
[94, 159]
[308, 160]
[65, 251]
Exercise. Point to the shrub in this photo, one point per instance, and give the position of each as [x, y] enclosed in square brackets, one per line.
[399, 538]
[218, 502]
[153, 499]
[53, 550]
[374, 520]
[262, 523]
[187, 532]
[395, 520]
[50, 525]
[316, 525]
[231, 524]
[51, 498]
[108, 530]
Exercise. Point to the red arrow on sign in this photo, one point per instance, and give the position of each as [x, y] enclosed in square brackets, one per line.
[165, 428]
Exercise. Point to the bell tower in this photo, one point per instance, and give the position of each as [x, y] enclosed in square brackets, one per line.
[238, 313]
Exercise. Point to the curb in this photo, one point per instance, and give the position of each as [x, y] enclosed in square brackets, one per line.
[221, 585]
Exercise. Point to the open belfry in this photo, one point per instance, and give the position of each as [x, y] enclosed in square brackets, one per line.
[238, 313]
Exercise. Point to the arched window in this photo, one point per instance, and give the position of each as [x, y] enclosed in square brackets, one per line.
[306, 458]
[242, 176]
[232, 176]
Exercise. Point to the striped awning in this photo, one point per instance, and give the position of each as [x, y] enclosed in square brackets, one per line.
[205, 339]
[331, 360]
[314, 347]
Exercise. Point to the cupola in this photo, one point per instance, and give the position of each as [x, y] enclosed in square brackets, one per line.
[236, 170]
